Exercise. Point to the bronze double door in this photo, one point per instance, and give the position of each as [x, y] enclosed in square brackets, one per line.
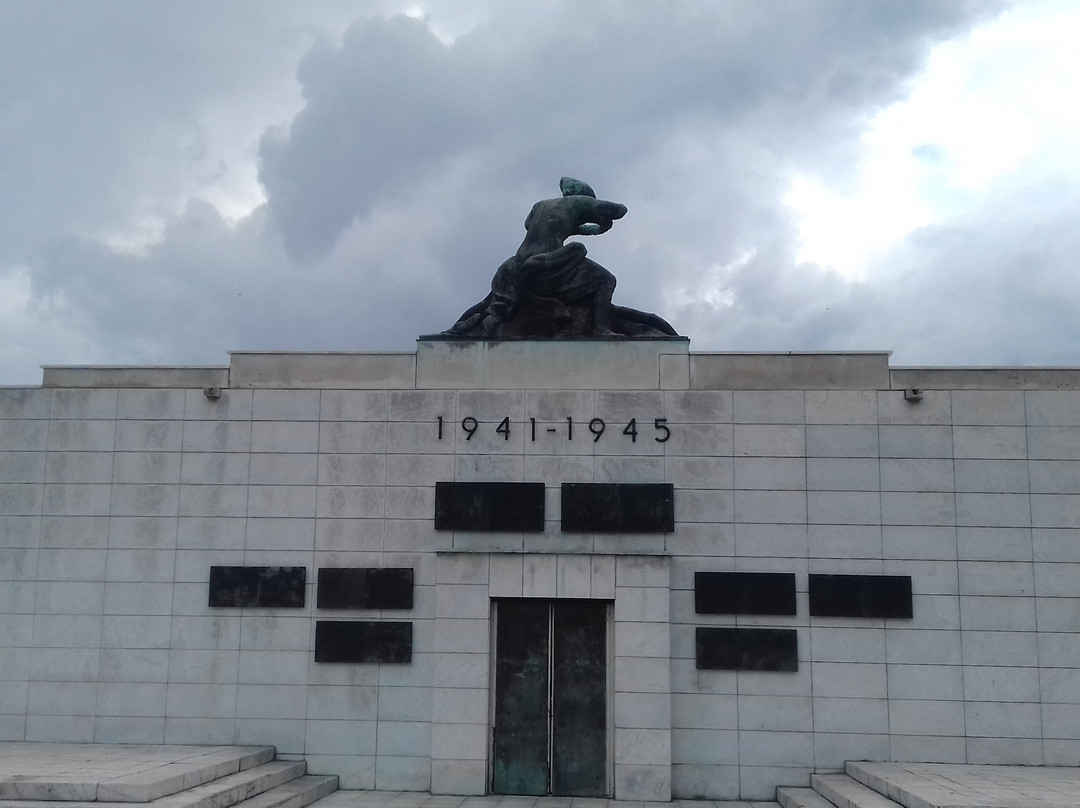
[550, 705]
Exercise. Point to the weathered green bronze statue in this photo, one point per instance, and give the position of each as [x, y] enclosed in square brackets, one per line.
[549, 289]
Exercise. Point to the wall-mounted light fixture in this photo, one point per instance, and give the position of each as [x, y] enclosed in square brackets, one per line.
[913, 394]
[212, 392]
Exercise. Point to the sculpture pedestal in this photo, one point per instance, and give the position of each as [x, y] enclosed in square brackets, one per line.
[595, 364]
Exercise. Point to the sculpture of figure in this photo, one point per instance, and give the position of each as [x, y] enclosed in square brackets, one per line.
[550, 289]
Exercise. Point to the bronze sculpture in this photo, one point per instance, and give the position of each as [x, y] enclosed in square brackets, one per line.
[550, 290]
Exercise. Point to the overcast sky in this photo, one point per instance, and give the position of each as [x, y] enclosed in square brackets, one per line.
[180, 179]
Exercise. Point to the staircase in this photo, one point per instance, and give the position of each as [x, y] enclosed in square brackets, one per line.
[247, 777]
[938, 785]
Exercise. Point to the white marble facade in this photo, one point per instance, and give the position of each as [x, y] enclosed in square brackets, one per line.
[120, 488]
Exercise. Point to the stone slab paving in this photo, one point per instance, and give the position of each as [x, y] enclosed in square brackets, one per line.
[947, 785]
[410, 799]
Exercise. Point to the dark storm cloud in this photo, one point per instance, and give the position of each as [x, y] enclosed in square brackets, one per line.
[403, 181]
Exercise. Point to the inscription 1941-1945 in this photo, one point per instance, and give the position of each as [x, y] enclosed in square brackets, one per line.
[594, 428]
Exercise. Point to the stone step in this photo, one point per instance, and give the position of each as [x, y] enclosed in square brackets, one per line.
[845, 792]
[296, 793]
[269, 785]
[118, 774]
[790, 797]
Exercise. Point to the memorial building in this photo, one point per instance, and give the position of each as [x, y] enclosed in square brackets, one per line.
[550, 551]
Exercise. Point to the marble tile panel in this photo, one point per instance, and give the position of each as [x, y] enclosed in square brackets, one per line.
[915, 441]
[150, 404]
[1055, 510]
[130, 699]
[774, 540]
[286, 436]
[234, 405]
[854, 715]
[1014, 751]
[1009, 578]
[1011, 684]
[24, 402]
[402, 772]
[926, 717]
[275, 633]
[214, 468]
[406, 704]
[339, 737]
[217, 436]
[138, 598]
[934, 408]
[285, 469]
[67, 630]
[994, 543]
[926, 682]
[1002, 720]
[129, 729]
[285, 405]
[213, 500]
[1061, 615]
[215, 632]
[133, 665]
[22, 467]
[997, 614]
[337, 502]
[24, 436]
[404, 738]
[149, 436]
[645, 782]
[844, 541]
[698, 406]
[1052, 408]
[922, 646]
[64, 665]
[934, 543]
[83, 404]
[988, 407]
[705, 747]
[61, 698]
[784, 714]
[902, 508]
[147, 467]
[844, 507]
[353, 405]
[755, 506]
[452, 776]
[459, 741]
[992, 476]
[144, 500]
[842, 474]
[916, 474]
[1053, 442]
[841, 441]
[770, 473]
[998, 442]
[1009, 648]
[78, 467]
[782, 748]
[1055, 650]
[69, 597]
[848, 680]
[769, 407]
[841, 407]
[769, 440]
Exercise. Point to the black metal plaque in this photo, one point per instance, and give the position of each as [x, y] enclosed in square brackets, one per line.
[365, 588]
[265, 587]
[618, 507]
[883, 596]
[362, 641]
[482, 506]
[747, 649]
[744, 592]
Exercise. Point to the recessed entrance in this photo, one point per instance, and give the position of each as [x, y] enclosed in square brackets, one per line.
[550, 708]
